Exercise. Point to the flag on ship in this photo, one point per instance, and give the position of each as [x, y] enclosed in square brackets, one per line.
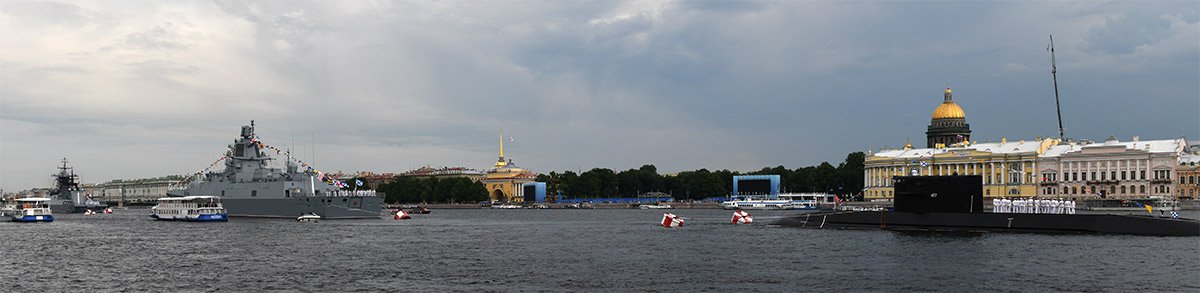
[358, 182]
[742, 217]
[671, 221]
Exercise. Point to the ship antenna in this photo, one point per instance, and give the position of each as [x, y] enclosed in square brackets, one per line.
[1057, 104]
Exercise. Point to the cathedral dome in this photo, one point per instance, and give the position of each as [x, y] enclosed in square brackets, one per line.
[948, 109]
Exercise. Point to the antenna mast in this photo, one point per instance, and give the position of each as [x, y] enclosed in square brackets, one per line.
[1054, 76]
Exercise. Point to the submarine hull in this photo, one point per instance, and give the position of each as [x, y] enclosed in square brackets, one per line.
[998, 222]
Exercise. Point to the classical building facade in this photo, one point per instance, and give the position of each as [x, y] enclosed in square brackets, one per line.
[1112, 169]
[1189, 176]
[948, 124]
[504, 181]
[1007, 169]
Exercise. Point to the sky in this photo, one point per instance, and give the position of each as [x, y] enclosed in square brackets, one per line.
[136, 89]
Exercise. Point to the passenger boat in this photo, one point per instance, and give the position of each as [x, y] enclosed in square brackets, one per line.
[31, 209]
[190, 208]
[506, 206]
[309, 217]
[768, 204]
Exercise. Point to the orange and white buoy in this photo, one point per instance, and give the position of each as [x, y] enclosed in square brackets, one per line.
[671, 221]
[741, 217]
[402, 215]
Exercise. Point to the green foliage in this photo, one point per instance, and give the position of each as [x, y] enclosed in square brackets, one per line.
[845, 179]
[405, 189]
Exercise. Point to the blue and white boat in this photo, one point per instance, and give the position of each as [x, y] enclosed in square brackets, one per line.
[749, 203]
[30, 209]
[190, 208]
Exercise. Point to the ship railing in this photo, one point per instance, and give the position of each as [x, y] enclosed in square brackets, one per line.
[347, 193]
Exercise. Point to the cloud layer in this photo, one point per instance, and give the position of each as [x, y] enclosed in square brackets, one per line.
[155, 88]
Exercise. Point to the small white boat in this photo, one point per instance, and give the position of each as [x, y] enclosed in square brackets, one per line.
[31, 209]
[309, 217]
[190, 208]
[661, 206]
[506, 206]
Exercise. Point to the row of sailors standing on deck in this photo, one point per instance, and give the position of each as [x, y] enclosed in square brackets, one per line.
[353, 193]
[1033, 206]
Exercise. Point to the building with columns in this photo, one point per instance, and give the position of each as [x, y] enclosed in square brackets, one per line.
[504, 181]
[1189, 176]
[1112, 169]
[1007, 168]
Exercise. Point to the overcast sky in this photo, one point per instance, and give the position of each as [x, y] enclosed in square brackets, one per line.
[128, 89]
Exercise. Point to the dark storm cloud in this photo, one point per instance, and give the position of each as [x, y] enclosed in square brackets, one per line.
[389, 86]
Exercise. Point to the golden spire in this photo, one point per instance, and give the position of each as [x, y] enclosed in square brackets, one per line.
[501, 163]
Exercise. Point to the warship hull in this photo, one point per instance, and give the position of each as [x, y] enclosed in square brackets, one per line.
[68, 207]
[998, 222]
[329, 207]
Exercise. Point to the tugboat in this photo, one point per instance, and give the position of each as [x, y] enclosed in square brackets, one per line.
[68, 197]
[249, 188]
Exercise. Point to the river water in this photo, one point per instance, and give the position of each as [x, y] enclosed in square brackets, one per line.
[569, 250]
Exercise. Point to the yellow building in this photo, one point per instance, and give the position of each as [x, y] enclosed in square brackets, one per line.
[1008, 169]
[504, 181]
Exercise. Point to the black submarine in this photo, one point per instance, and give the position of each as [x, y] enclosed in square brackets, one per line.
[955, 204]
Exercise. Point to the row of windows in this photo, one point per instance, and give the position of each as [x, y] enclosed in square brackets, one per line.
[1190, 180]
[1124, 189]
[1111, 175]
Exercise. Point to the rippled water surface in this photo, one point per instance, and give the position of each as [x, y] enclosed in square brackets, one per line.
[569, 250]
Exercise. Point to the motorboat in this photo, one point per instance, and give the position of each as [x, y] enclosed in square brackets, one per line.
[309, 217]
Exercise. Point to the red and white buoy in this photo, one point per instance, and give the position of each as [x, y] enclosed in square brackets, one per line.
[742, 217]
[401, 215]
[671, 221]
[107, 210]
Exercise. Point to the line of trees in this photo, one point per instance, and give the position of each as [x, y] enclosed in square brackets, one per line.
[844, 179]
[404, 189]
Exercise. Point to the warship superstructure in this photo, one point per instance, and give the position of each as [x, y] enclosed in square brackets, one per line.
[249, 188]
[68, 197]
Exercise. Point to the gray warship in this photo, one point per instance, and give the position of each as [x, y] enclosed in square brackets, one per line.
[249, 188]
[68, 197]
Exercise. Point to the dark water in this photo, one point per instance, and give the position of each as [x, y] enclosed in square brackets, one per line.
[569, 250]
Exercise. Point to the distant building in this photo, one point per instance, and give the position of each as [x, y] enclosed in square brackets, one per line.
[1188, 186]
[131, 191]
[948, 124]
[504, 181]
[1007, 168]
[1112, 169]
[445, 172]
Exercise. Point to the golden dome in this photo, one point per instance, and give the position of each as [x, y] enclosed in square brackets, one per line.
[948, 110]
